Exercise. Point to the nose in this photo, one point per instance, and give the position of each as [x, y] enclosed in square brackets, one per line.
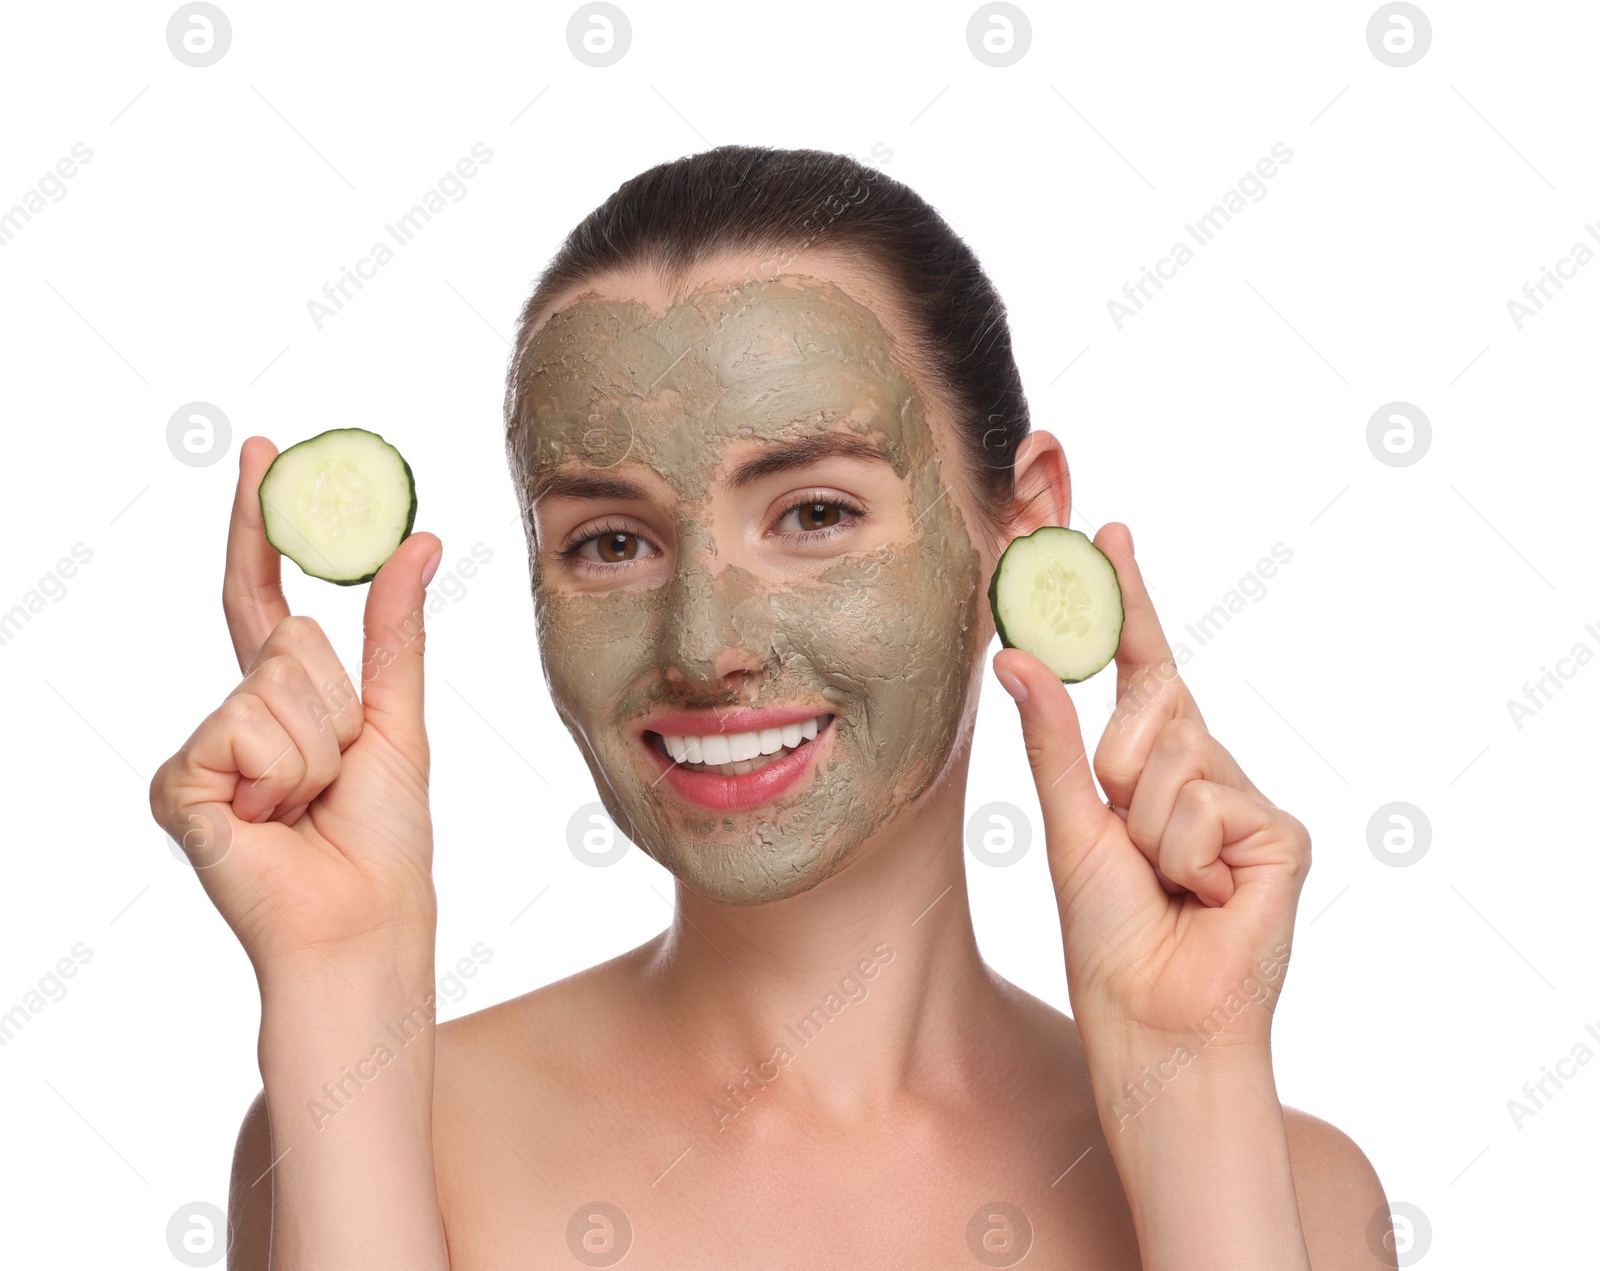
[715, 626]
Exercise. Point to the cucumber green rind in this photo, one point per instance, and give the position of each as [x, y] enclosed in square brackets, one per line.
[1012, 639]
[269, 519]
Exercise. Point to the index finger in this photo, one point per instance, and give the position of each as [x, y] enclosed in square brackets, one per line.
[1143, 642]
[252, 587]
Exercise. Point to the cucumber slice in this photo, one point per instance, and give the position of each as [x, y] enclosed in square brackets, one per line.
[1055, 595]
[338, 504]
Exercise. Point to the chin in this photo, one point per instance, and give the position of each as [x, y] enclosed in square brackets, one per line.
[745, 874]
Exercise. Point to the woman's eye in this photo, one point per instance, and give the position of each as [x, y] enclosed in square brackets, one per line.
[814, 515]
[616, 548]
[609, 547]
[612, 546]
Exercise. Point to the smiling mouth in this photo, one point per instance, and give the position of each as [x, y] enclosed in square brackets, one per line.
[755, 750]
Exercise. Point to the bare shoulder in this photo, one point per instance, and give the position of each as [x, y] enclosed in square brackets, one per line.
[1340, 1196]
[555, 1025]
[534, 1060]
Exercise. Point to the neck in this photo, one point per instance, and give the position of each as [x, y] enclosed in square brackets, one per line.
[836, 1000]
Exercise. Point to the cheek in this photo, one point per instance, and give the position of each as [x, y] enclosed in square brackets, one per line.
[898, 632]
[593, 648]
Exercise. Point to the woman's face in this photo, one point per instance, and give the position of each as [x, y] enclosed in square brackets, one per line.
[738, 503]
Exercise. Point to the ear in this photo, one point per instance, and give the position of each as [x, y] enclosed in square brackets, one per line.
[1043, 484]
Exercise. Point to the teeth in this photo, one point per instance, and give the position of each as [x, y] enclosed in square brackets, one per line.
[739, 749]
[744, 746]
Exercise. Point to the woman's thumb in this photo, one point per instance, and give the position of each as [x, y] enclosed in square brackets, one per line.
[394, 636]
[1074, 815]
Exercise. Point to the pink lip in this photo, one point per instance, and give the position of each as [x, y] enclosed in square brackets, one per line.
[752, 789]
[709, 723]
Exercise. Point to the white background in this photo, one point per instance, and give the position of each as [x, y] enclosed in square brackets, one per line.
[1230, 415]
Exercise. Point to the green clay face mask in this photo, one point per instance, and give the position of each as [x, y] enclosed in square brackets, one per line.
[885, 637]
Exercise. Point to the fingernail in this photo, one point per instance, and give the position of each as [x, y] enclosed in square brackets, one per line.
[1012, 685]
[432, 566]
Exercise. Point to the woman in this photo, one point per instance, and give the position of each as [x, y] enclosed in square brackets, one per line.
[770, 440]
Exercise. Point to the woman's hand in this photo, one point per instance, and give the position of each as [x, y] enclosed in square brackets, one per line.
[304, 809]
[1177, 902]
[303, 806]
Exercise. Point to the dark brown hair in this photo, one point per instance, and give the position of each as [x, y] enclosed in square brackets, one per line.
[739, 199]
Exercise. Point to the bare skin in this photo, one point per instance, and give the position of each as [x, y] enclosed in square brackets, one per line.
[938, 1101]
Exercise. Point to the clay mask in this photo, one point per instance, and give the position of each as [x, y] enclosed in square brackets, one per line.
[886, 638]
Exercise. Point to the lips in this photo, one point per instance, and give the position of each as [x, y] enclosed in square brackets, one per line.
[705, 723]
[746, 790]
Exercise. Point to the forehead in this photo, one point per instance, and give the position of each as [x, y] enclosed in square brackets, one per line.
[674, 376]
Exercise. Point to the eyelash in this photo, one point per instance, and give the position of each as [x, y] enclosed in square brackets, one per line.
[569, 553]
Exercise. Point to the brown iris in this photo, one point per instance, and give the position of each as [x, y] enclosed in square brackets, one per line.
[606, 544]
[826, 514]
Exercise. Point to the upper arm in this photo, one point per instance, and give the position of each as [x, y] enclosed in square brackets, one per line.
[1340, 1198]
[249, 1193]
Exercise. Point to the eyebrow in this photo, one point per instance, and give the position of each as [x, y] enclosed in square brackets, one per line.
[781, 457]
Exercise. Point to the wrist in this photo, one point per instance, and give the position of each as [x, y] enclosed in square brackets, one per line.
[1134, 1067]
[379, 964]
[326, 1047]
[344, 1010]
[1202, 1102]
